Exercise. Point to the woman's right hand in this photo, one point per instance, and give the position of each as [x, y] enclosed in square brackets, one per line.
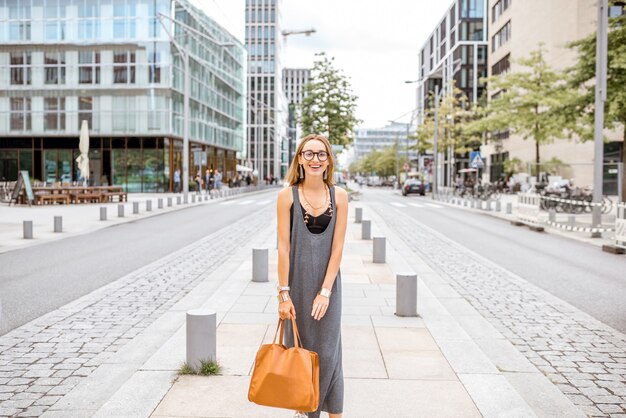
[286, 310]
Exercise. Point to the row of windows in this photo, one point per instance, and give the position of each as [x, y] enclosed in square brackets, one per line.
[124, 68]
[261, 15]
[261, 49]
[500, 7]
[261, 32]
[261, 66]
[51, 9]
[501, 37]
[503, 66]
[54, 113]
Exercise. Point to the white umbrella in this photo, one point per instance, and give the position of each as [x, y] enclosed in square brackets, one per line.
[243, 168]
[83, 158]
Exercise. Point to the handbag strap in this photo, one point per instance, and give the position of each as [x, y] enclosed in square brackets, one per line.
[297, 342]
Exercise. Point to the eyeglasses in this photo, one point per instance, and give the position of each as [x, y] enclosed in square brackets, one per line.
[321, 155]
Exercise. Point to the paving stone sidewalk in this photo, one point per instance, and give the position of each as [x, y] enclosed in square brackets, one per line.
[45, 359]
[584, 358]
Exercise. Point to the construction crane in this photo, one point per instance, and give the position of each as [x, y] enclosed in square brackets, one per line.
[306, 32]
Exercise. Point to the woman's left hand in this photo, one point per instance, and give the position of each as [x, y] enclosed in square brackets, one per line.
[320, 306]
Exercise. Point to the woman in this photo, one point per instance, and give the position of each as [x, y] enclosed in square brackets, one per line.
[312, 219]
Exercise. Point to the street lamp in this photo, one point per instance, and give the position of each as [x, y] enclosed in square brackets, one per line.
[185, 55]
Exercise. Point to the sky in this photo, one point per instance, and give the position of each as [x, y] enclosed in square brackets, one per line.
[376, 43]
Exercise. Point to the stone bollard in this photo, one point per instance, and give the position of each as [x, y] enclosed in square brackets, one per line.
[464, 203]
[358, 215]
[169, 202]
[120, 210]
[260, 265]
[148, 205]
[103, 213]
[406, 294]
[379, 249]
[135, 208]
[552, 215]
[185, 199]
[28, 229]
[488, 208]
[571, 220]
[366, 229]
[211, 195]
[178, 200]
[473, 203]
[201, 337]
[160, 203]
[206, 198]
[193, 198]
[58, 224]
[509, 208]
[498, 206]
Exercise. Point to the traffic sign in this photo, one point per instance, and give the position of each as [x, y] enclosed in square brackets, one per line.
[475, 160]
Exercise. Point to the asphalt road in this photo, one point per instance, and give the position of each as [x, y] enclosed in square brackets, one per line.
[579, 273]
[39, 279]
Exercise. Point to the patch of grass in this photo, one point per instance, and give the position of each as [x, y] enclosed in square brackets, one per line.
[207, 368]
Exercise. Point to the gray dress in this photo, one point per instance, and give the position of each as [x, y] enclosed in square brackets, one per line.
[308, 260]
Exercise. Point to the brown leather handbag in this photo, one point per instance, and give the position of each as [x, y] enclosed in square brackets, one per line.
[286, 377]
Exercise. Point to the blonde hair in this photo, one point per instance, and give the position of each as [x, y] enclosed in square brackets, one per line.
[293, 175]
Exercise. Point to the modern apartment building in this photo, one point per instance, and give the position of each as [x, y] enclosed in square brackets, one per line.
[111, 62]
[367, 140]
[294, 85]
[518, 27]
[455, 54]
[267, 107]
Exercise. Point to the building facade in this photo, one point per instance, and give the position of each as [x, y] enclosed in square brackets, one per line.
[454, 55]
[367, 140]
[267, 107]
[111, 63]
[295, 81]
[516, 28]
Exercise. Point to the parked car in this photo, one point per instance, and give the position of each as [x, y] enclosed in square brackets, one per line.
[413, 186]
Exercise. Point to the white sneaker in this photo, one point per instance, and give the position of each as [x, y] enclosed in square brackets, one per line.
[299, 415]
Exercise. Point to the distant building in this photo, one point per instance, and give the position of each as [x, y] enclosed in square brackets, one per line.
[112, 64]
[455, 53]
[367, 140]
[294, 85]
[267, 107]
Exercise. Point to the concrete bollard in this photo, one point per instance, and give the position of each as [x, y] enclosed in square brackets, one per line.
[28, 229]
[571, 220]
[489, 202]
[169, 202]
[135, 208]
[260, 265]
[193, 198]
[406, 294]
[178, 201]
[120, 211]
[509, 208]
[148, 205]
[552, 215]
[473, 203]
[103, 213]
[58, 224]
[464, 203]
[201, 337]
[366, 229]
[379, 249]
[185, 200]
[498, 206]
[160, 203]
[206, 198]
[358, 215]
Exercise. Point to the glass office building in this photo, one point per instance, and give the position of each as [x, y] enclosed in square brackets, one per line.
[111, 63]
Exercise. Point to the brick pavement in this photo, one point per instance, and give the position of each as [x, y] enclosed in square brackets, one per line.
[584, 358]
[43, 360]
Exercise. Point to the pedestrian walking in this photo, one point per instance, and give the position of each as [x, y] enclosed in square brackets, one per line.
[177, 180]
[218, 179]
[312, 216]
[248, 179]
[207, 182]
[198, 180]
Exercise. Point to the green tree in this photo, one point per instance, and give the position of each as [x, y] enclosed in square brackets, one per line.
[387, 161]
[583, 76]
[329, 106]
[531, 103]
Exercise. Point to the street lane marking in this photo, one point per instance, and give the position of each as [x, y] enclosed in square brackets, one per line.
[228, 202]
[246, 202]
[432, 205]
[265, 202]
[400, 205]
[417, 205]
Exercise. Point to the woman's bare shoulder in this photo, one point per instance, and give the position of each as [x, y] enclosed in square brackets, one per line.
[285, 196]
[341, 193]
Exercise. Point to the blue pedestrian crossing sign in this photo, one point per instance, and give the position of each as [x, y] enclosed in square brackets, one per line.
[475, 160]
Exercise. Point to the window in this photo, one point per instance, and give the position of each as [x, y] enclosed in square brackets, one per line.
[472, 31]
[85, 111]
[472, 8]
[499, 8]
[54, 67]
[20, 68]
[88, 22]
[89, 67]
[124, 67]
[154, 68]
[503, 66]
[54, 117]
[20, 114]
[54, 28]
[501, 37]
[124, 19]
[19, 20]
